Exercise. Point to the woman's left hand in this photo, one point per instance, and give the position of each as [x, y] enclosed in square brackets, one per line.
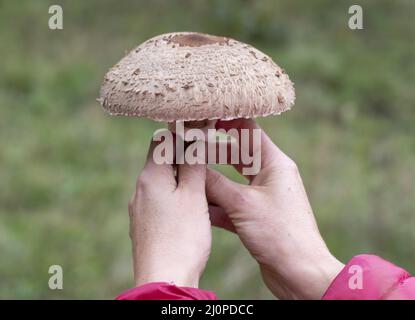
[170, 228]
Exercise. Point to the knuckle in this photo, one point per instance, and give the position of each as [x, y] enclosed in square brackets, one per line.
[143, 182]
[131, 203]
[290, 165]
[243, 197]
[215, 181]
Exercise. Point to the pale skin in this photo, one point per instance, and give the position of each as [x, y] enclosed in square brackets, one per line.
[170, 227]
[171, 223]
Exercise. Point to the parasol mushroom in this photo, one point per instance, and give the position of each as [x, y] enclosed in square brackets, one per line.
[196, 78]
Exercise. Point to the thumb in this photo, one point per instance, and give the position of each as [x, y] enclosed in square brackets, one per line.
[192, 177]
[221, 191]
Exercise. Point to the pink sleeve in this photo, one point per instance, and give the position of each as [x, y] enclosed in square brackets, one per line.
[368, 277]
[165, 291]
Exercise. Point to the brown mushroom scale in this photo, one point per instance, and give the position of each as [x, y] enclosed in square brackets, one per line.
[197, 39]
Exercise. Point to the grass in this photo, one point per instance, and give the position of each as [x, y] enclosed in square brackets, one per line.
[68, 169]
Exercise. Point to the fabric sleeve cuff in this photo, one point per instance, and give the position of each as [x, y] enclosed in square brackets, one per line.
[366, 277]
[165, 291]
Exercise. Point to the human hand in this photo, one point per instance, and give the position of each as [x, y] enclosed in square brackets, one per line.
[169, 224]
[275, 222]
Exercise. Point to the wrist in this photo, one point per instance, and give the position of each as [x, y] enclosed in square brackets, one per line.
[178, 277]
[318, 276]
[302, 277]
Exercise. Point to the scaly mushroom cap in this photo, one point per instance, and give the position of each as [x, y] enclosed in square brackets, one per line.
[190, 76]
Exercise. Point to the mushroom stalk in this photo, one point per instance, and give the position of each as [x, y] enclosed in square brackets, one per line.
[182, 128]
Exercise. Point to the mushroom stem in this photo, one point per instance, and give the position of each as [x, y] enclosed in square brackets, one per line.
[196, 124]
[181, 128]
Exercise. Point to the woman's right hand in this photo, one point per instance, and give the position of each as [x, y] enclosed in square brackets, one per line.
[275, 222]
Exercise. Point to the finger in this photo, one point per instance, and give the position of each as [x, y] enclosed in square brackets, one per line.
[192, 174]
[155, 169]
[270, 153]
[220, 219]
[221, 191]
[192, 177]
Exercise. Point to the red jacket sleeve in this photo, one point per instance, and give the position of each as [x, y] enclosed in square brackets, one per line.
[368, 277]
[165, 291]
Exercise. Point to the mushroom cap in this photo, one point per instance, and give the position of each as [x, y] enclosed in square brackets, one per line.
[188, 76]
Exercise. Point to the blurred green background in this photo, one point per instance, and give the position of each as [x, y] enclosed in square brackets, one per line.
[67, 169]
